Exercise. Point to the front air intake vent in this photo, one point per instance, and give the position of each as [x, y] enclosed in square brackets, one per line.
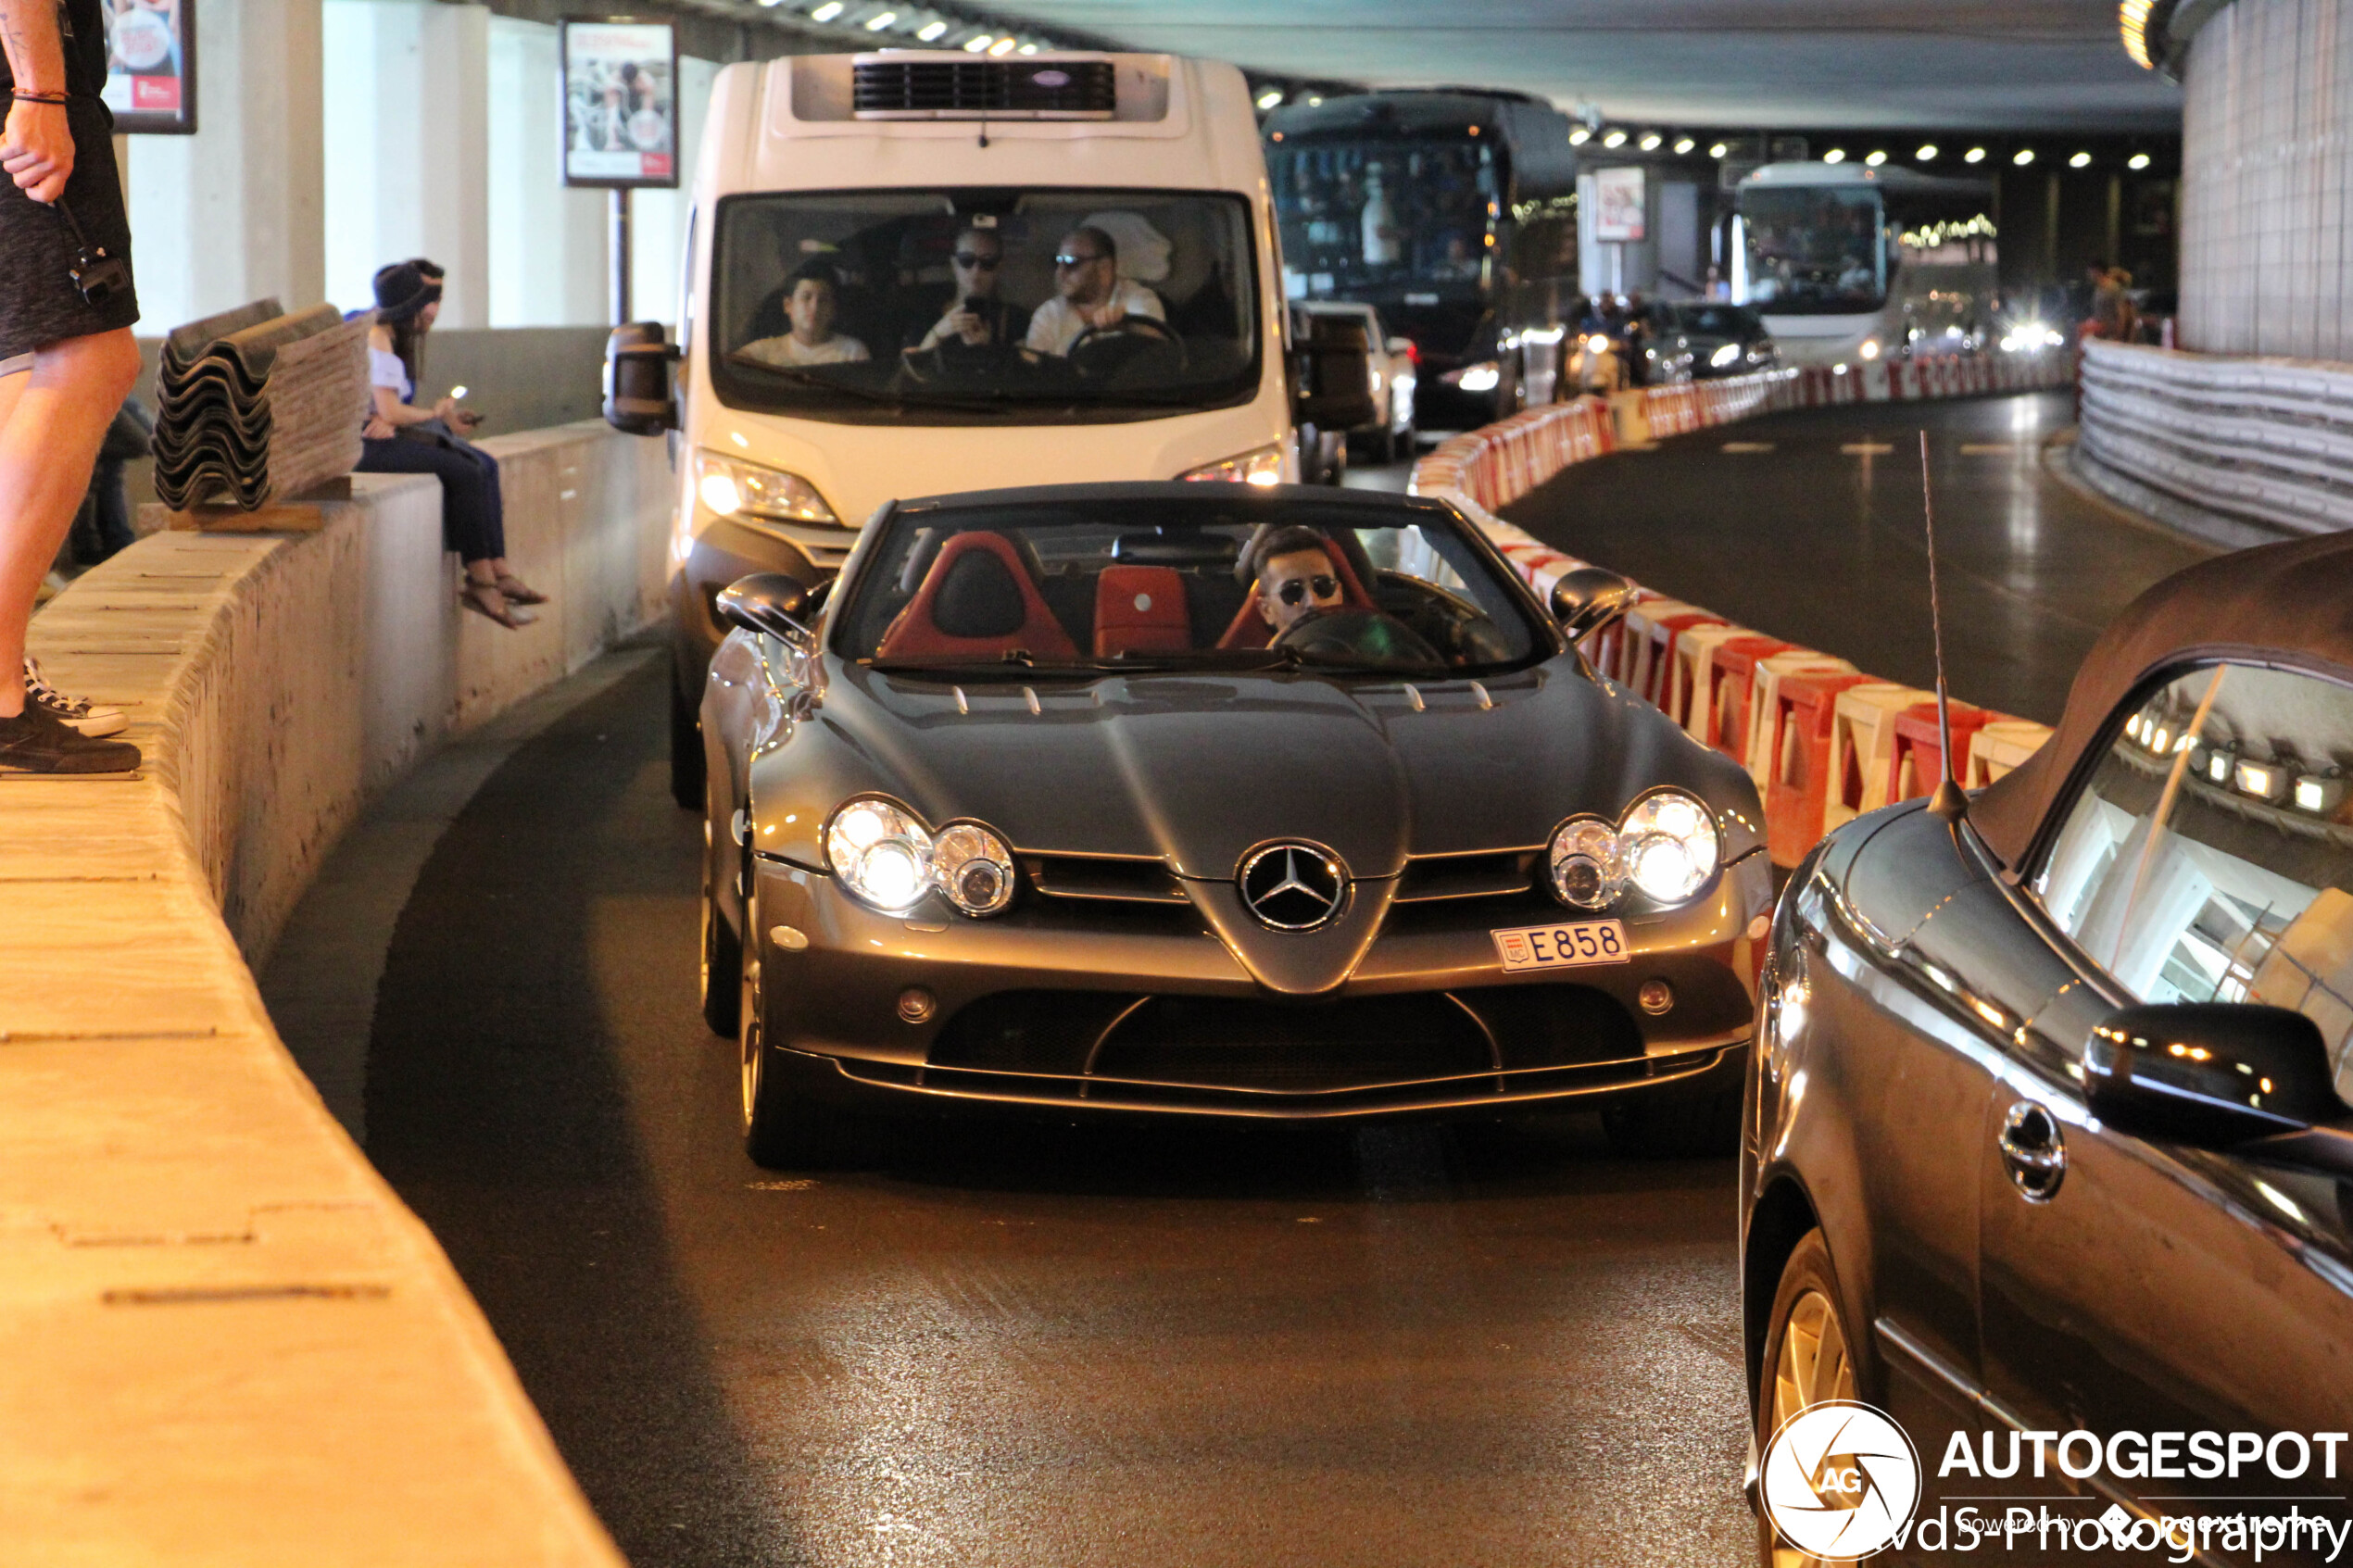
[1015, 89]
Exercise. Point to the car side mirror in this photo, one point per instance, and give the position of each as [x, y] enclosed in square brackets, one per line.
[641, 393]
[1334, 387]
[2213, 1075]
[1587, 599]
[772, 603]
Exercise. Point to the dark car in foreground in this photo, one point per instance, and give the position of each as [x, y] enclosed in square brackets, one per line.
[1212, 801]
[2048, 1154]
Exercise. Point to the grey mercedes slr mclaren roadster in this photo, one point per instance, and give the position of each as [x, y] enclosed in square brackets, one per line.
[1211, 800]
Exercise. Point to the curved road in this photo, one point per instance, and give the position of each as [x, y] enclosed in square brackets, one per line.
[1396, 1346]
[1806, 527]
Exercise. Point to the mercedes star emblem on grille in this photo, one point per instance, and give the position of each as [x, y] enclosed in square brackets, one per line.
[1293, 887]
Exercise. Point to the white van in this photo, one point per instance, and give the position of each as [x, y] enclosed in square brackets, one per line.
[915, 271]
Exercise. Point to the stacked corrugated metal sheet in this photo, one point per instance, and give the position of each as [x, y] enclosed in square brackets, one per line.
[258, 405]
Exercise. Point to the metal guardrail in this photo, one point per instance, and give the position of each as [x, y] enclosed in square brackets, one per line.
[2270, 439]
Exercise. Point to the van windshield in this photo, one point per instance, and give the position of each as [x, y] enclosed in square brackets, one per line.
[1022, 306]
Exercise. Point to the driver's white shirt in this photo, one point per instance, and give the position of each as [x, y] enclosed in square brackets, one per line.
[787, 349]
[1058, 324]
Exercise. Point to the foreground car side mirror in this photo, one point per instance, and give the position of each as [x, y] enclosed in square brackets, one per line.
[641, 394]
[2214, 1075]
[1587, 599]
[772, 603]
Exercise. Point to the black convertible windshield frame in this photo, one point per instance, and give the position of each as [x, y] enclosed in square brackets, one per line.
[1084, 587]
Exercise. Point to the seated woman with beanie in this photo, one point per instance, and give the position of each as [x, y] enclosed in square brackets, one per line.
[399, 437]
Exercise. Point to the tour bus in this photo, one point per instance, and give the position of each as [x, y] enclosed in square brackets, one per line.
[1847, 263]
[914, 271]
[1453, 214]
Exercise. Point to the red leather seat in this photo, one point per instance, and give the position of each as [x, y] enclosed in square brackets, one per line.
[1140, 610]
[977, 601]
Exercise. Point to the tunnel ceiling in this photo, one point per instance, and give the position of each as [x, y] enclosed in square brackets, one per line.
[1991, 65]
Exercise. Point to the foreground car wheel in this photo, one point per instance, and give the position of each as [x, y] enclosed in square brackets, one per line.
[723, 948]
[686, 751]
[1675, 1129]
[1808, 1359]
[783, 1129]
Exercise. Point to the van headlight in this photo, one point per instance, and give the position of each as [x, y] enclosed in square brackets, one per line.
[889, 860]
[754, 494]
[1260, 465]
[1669, 845]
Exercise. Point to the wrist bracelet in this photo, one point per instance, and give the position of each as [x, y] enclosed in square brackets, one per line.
[20, 96]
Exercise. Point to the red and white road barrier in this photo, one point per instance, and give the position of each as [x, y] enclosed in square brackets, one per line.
[1840, 741]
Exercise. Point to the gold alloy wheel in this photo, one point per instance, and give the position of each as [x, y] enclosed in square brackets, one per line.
[1810, 1365]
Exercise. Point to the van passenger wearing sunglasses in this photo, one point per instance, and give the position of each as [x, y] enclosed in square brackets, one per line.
[1296, 578]
[1088, 293]
[976, 317]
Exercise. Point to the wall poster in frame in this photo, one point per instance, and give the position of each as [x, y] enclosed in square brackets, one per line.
[151, 65]
[620, 102]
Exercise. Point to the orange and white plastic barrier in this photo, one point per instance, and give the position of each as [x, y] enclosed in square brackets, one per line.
[1824, 740]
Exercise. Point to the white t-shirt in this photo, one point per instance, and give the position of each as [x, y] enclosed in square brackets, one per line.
[787, 349]
[1381, 247]
[1058, 324]
[384, 369]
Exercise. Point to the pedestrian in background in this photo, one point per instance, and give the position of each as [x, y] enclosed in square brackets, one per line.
[66, 357]
[398, 437]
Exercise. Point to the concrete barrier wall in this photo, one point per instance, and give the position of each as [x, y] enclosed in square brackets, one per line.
[1484, 470]
[227, 1340]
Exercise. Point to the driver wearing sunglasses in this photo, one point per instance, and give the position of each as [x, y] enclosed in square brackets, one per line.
[1296, 578]
[977, 316]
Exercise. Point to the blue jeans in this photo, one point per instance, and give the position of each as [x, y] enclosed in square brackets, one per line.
[473, 519]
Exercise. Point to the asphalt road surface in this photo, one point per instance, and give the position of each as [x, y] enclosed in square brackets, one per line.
[1807, 527]
[1394, 1347]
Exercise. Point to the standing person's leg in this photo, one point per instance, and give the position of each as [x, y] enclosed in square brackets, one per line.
[51, 423]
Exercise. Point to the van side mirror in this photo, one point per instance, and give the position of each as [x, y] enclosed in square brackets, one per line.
[772, 603]
[1333, 388]
[2213, 1075]
[641, 391]
[1587, 599]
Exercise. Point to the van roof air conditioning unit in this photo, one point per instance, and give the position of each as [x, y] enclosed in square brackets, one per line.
[894, 86]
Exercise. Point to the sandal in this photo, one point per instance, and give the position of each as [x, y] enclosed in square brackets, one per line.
[517, 592]
[485, 599]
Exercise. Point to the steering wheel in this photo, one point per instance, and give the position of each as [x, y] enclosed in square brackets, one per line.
[1362, 638]
[1157, 334]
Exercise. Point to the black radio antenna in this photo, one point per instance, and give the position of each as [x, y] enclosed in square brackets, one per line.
[1948, 802]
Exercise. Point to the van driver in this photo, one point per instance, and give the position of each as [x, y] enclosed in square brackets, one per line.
[1089, 294]
[816, 295]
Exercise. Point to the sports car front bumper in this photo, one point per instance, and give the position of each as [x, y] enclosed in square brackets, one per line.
[1121, 1009]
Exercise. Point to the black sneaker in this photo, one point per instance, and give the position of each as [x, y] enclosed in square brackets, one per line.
[36, 742]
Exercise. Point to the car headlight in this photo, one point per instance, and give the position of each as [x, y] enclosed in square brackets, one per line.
[1584, 863]
[731, 487]
[973, 869]
[881, 853]
[1728, 355]
[1485, 376]
[887, 860]
[1669, 845]
[1260, 465]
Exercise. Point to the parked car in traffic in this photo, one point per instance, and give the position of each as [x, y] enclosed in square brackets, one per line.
[2047, 1125]
[1717, 339]
[1211, 800]
[1389, 438]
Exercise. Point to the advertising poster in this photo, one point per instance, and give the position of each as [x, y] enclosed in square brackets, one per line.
[151, 65]
[621, 104]
[1618, 216]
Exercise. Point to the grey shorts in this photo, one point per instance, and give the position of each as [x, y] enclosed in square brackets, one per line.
[39, 305]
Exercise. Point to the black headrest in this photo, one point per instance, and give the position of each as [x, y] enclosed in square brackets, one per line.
[979, 599]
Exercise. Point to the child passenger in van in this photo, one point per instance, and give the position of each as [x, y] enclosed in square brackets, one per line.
[816, 292]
